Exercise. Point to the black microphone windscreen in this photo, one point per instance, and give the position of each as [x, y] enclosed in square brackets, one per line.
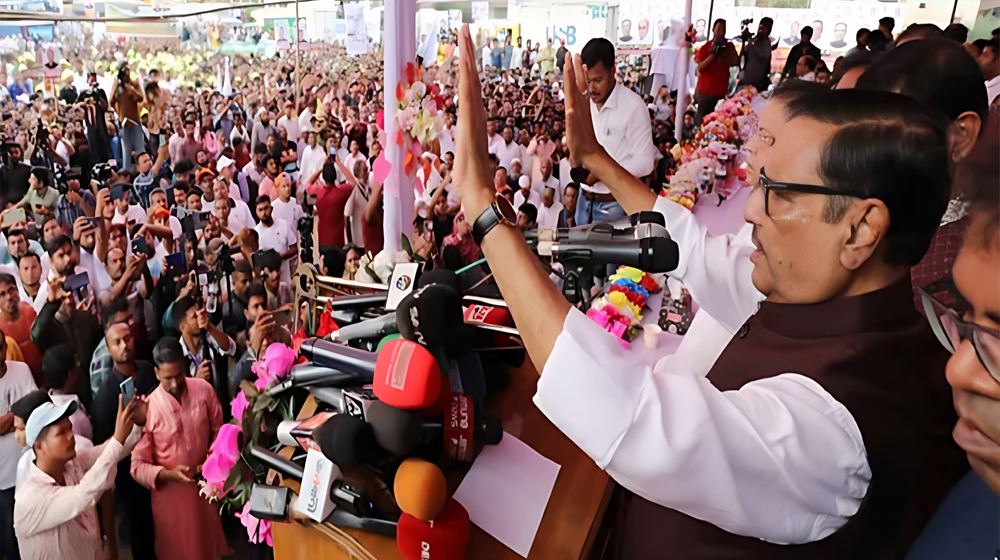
[344, 439]
[660, 254]
[442, 276]
[396, 430]
[492, 430]
[431, 316]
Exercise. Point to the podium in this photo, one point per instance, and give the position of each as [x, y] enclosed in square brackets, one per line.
[572, 516]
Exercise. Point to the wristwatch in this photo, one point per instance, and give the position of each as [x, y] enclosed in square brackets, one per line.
[501, 211]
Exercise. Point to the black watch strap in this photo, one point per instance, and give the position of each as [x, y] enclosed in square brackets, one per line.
[489, 219]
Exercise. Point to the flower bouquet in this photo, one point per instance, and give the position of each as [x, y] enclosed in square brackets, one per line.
[419, 112]
[714, 161]
[230, 471]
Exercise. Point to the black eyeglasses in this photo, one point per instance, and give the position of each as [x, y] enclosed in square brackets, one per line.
[951, 330]
[768, 185]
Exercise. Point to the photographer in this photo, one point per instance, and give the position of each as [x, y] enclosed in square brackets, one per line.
[73, 202]
[95, 106]
[125, 98]
[40, 199]
[757, 55]
[714, 60]
[14, 173]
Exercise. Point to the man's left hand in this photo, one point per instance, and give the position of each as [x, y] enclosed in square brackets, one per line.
[472, 175]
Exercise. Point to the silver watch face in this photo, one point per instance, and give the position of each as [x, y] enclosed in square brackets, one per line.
[507, 212]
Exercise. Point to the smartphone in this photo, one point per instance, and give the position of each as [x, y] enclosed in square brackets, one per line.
[176, 260]
[76, 281]
[282, 317]
[93, 222]
[16, 215]
[255, 259]
[139, 246]
[117, 192]
[201, 220]
[127, 389]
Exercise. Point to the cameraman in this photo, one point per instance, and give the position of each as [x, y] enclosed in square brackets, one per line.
[73, 202]
[126, 97]
[714, 59]
[95, 106]
[757, 53]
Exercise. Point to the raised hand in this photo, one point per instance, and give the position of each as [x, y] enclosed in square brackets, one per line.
[473, 172]
[580, 137]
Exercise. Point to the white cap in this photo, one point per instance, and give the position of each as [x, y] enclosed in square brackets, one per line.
[524, 182]
[515, 160]
[45, 415]
[223, 163]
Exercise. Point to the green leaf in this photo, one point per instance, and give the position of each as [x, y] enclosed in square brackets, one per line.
[371, 272]
[262, 402]
[406, 245]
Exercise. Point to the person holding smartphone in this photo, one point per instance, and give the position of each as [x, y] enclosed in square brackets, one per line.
[41, 199]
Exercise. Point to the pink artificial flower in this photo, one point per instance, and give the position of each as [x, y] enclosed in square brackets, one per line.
[215, 476]
[258, 530]
[280, 359]
[239, 406]
[225, 453]
[264, 378]
[227, 443]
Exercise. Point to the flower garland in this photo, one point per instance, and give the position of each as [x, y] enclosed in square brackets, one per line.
[714, 161]
[419, 110]
[229, 470]
[619, 311]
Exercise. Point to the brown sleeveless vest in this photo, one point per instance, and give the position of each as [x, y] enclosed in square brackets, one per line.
[876, 355]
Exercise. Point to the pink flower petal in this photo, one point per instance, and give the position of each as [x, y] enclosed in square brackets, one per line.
[280, 359]
[239, 406]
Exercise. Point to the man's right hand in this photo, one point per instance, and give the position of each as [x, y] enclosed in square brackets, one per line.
[56, 291]
[260, 329]
[124, 422]
[176, 474]
[205, 371]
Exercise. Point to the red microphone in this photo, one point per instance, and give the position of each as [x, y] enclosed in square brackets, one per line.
[445, 538]
[406, 375]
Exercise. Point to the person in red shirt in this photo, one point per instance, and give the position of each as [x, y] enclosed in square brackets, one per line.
[714, 59]
[331, 199]
[16, 317]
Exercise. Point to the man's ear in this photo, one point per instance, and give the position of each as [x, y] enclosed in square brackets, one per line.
[962, 135]
[869, 223]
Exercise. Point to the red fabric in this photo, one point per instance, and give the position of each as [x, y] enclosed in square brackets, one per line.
[936, 264]
[372, 234]
[330, 203]
[648, 283]
[714, 80]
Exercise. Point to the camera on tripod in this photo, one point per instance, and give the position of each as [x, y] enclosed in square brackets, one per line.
[745, 34]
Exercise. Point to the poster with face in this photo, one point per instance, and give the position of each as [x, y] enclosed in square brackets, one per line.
[282, 35]
[635, 25]
[303, 34]
[51, 56]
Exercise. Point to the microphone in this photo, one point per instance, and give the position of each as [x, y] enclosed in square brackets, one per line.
[445, 538]
[353, 302]
[340, 357]
[442, 276]
[432, 316]
[649, 254]
[370, 328]
[406, 375]
[400, 431]
[274, 461]
[420, 488]
[345, 440]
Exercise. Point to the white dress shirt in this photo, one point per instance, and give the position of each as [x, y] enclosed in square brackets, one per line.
[313, 159]
[992, 89]
[548, 218]
[779, 459]
[280, 236]
[135, 215]
[239, 216]
[623, 127]
[533, 198]
[540, 185]
[506, 153]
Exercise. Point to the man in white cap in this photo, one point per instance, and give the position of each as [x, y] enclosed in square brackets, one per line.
[548, 211]
[54, 516]
[238, 190]
[526, 193]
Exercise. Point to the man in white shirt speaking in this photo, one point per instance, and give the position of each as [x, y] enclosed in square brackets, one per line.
[622, 127]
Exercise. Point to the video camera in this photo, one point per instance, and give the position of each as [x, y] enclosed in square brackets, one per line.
[102, 173]
[745, 34]
[63, 177]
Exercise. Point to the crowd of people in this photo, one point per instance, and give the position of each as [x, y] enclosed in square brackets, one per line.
[152, 223]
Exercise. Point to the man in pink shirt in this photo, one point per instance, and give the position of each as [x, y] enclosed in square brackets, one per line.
[183, 419]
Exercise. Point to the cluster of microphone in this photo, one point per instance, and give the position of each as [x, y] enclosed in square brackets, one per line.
[393, 417]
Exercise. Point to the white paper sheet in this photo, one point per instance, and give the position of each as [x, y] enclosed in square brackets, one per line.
[506, 491]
